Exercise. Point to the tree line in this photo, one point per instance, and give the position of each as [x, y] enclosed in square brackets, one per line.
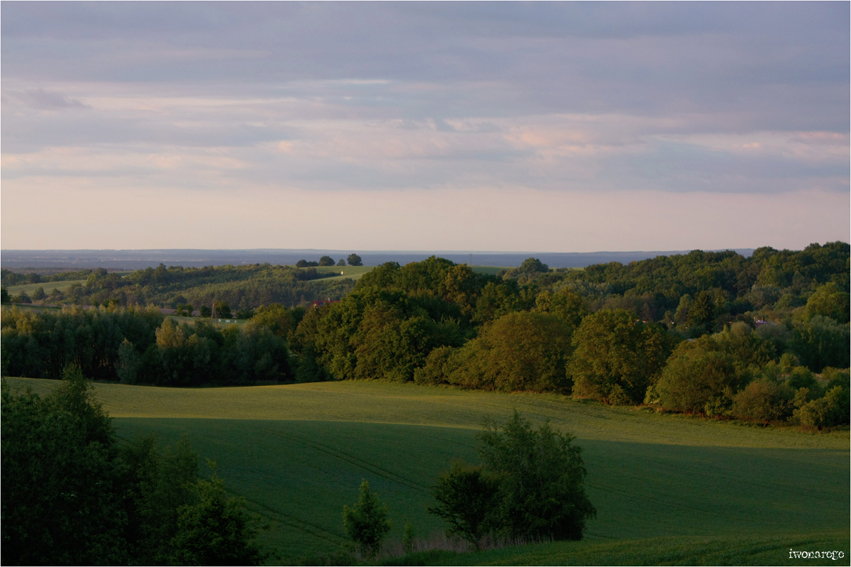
[139, 345]
[764, 338]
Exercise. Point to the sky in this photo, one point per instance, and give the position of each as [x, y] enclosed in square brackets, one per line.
[484, 126]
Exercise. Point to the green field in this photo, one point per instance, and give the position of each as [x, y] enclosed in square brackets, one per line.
[355, 272]
[48, 287]
[220, 323]
[351, 272]
[668, 489]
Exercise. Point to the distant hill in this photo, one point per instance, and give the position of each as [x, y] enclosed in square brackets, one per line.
[140, 259]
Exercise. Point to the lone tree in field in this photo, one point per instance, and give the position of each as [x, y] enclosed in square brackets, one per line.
[542, 491]
[355, 260]
[532, 485]
[367, 523]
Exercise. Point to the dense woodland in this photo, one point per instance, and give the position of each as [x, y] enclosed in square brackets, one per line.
[715, 333]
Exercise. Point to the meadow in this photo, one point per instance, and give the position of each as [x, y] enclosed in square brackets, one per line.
[355, 272]
[48, 287]
[668, 489]
[351, 272]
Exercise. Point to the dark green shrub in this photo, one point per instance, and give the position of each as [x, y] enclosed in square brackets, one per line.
[367, 522]
[467, 499]
[763, 400]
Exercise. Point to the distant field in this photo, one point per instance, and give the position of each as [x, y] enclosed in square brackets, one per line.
[297, 454]
[355, 272]
[488, 270]
[220, 323]
[351, 272]
[47, 286]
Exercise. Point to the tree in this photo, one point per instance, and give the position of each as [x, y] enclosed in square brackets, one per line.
[827, 411]
[223, 310]
[702, 309]
[828, 301]
[159, 483]
[72, 496]
[533, 266]
[326, 261]
[128, 363]
[215, 529]
[61, 492]
[700, 377]
[408, 537]
[518, 351]
[367, 522]
[617, 358]
[354, 260]
[341, 262]
[4, 295]
[565, 304]
[468, 499]
[256, 353]
[821, 342]
[542, 480]
[763, 400]
[278, 318]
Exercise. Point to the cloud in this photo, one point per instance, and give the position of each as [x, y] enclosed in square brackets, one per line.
[184, 100]
[45, 100]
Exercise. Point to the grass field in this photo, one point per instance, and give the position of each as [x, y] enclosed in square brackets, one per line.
[667, 489]
[220, 323]
[355, 272]
[350, 272]
[47, 286]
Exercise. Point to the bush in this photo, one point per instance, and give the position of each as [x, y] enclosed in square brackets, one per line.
[829, 411]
